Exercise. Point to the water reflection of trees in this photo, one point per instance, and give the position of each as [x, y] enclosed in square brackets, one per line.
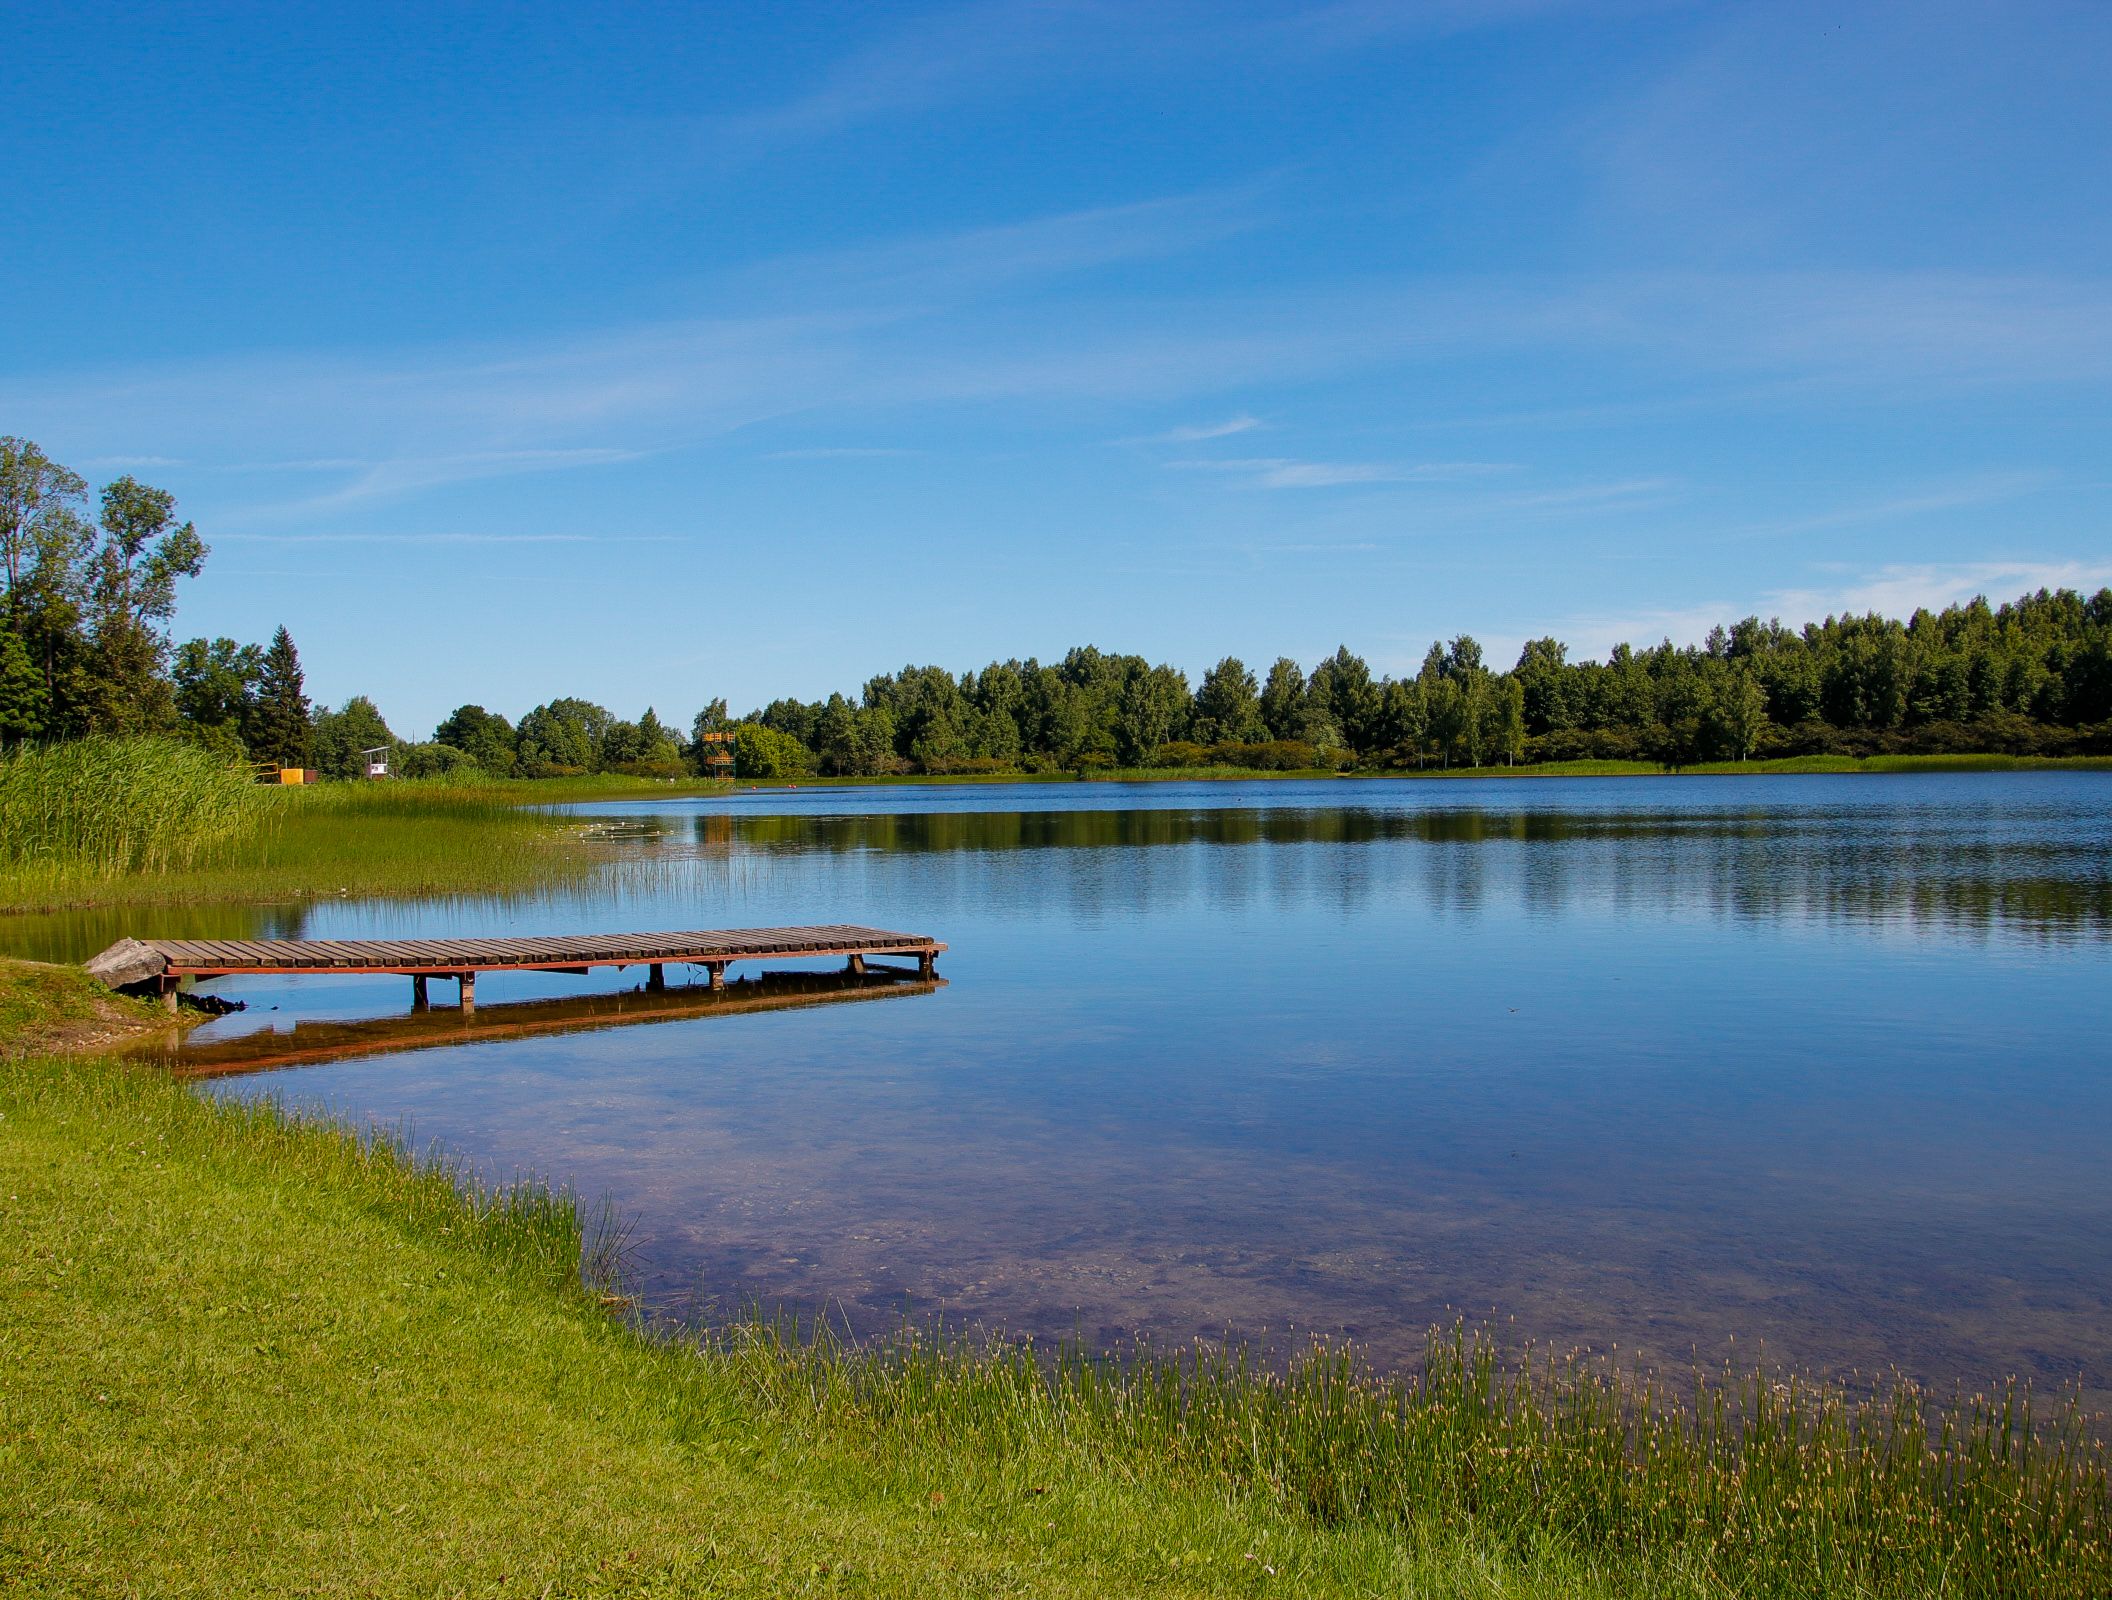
[2039, 874]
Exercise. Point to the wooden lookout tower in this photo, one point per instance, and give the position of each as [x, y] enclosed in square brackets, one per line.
[715, 754]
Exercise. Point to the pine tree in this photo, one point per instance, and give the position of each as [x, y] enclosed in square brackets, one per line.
[285, 727]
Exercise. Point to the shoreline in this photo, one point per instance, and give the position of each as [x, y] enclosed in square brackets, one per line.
[1817, 766]
[521, 834]
[223, 1326]
[51, 1009]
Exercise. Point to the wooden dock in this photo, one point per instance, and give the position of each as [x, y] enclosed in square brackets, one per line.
[159, 966]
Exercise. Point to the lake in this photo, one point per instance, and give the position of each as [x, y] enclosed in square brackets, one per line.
[1814, 1067]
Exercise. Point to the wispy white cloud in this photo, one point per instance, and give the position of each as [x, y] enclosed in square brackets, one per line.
[978, 51]
[1196, 434]
[1979, 490]
[425, 416]
[1591, 635]
[1618, 492]
[966, 264]
[1899, 590]
[1896, 590]
[306, 464]
[839, 452]
[288, 539]
[408, 474]
[1282, 472]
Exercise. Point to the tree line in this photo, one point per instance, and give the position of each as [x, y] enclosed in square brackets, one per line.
[85, 648]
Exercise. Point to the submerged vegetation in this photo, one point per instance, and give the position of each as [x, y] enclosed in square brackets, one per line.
[221, 1402]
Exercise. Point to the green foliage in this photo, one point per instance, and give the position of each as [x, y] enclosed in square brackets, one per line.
[1227, 705]
[856, 741]
[109, 807]
[83, 649]
[562, 739]
[281, 724]
[86, 603]
[191, 1275]
[215, 684]
[762, 752]
[484, 736]
[344, 736]
[434, 760]
[1283, 700]
[246, 1355]
[644, 748]
[131, 589]
[1774, 1486]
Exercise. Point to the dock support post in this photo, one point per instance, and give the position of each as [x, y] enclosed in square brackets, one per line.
[927, 963]
[469, 991]
[167, 995]
[718, 973]
[655, 978]
[855, 966]
[418, 996]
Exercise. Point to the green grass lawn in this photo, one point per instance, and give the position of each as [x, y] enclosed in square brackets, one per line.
[48, 1007]
[240, 1356]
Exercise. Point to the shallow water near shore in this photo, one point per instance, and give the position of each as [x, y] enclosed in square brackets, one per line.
[1814, 1067]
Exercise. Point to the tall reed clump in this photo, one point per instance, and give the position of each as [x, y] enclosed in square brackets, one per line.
[428, 836]
[1770, 1488]
[142, 821]
[112, 807]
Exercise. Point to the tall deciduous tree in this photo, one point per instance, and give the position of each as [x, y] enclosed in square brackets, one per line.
[1283, 699]
[484, 736]
[1510, 720]
[1342, 687]
[131, 595]
[1228, 705]
[45, 540]
[562, 737]
[216, 688]
[1153, 709]
[712, 719]
[343, 736]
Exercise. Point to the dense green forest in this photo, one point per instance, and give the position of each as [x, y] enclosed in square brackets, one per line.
[90, 592]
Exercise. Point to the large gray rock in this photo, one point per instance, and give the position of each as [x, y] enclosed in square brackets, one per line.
[128, 962]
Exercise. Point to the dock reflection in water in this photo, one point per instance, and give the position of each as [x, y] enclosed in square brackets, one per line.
[312, 1043]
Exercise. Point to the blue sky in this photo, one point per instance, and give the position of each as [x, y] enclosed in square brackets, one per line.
[657, 353]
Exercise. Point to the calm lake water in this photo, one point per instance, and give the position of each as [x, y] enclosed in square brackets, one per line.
[1811, 1065]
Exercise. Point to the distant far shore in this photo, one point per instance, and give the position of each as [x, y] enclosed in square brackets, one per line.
[1836, 765]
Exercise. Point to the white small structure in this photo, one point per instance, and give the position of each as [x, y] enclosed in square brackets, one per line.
[376, 761]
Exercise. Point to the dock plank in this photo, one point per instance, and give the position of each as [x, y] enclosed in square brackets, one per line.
[428, 956]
